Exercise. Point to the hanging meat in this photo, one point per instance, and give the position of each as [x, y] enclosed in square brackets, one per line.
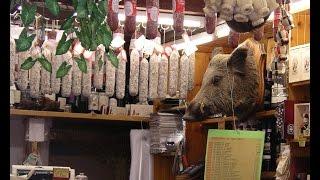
[183, 76]
[55, 82]
[86, 77]
[110, 77]
[152, 22]
[113, 10]
[134, 72]
[153, 76]
[143, 80]
[48, 49]
[34, 79]
[121, 74]
[211, 23]
[67, 79]
[233, 39]
[22, 79]
[163, 77]
[178, 7]
[98, 69]
[130, 9]
[192, 59]
[173, 72]
[13, 60]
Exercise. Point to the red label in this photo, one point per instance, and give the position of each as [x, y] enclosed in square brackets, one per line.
[152, 13]
[130, 8]
[178, 6]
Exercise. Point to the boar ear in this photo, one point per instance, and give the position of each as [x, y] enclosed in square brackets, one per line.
[237, 60]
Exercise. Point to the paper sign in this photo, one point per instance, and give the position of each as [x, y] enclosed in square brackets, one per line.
[36, 130]
[234, 154]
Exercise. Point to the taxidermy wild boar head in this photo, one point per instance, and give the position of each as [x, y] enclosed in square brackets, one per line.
[237, 71]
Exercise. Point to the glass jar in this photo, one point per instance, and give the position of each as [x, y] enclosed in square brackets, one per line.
[93, 101]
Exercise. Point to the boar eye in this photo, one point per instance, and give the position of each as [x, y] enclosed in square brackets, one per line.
[216, 79]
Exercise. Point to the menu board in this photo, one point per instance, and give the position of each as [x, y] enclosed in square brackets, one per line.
[234, 154]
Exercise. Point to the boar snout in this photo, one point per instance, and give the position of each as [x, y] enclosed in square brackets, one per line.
[195, 112]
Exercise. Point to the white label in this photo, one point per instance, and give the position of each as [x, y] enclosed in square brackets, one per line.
[115, 6]
[36, 130]
[62, 102]
[51, 96]
[128, 8]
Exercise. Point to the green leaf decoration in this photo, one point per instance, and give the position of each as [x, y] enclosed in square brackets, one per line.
[82, 64]
[63, 70]
[28, 63]
[63, 45]
[102, 6]
[69, 31]
[67, 24]
[82, 11]
[24, 42]
[105, 35]
[74, 3]
[113, 58]
[90, 5]
[45, 63]
[100, 63]
[28, 14]
[97, 15]
[53, 7]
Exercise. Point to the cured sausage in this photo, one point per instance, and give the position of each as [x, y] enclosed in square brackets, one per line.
[121, 75]
[22, 79]
[211, 23]
[113, 10]
[178, 8]
[12, 60]
[98, 69]
[183, 79]
[67, 79]
[143, 80]
[55, 82]
[233, 39]
[153, 76]
[86, 77]
[110, 77]
[48, 48]
[134, 72]
[34, 80]
[192, 59]
[130, 9]
[163, 77]
[173, 72]
[152, 22]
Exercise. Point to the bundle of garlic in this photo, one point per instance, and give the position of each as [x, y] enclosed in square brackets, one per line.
[86, 77]
[163, 77]
[121, 74]
[173, 72]
[34, 79]
[13, 60]
[183, 76]
[110, 77]
[153, 76]
[67, 79]
[143, 80]
[22, 79]
[98, 68]
[192, 59]
[48, 51]
[134, 72]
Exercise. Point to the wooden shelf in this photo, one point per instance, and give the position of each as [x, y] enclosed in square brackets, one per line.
[300, 83]
[268, 175]
[77, 116]
[259, 115]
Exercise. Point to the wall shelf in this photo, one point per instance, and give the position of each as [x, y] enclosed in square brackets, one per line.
[77, 116]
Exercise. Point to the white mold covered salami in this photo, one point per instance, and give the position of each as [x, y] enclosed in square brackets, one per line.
[34, 79]
[113, 10]
[86, 77]
[22, 79]
[110, 77]
[178, 8]
[192, 59]
[76, 72]
[67, 79]
[163, 77]
[183, 76]
[143, 80]
[153, 76]
[173, 72]
[48, 49]
[13, 60]
[121, 75]
[130, 9]
[134, 72]
[55, 82]
[152, 15]
[98, 69]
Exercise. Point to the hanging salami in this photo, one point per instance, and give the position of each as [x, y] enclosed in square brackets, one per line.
[173, 72]
[76, 78]
[211, 23]
[113, 10]
[98, 69]
[48, 49]
[192, 59]
[86, 77]
[143, 80]
[152, 22]
[134, 72]
[163, 77]
[110, 77]
[183, 76]
[22, 81]
[121, 75]
[153, 76]
[34, 79]
[12, 60]
[67, 79]
[130, 9]
[178, 8]
[233, 39]
[55, 82]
